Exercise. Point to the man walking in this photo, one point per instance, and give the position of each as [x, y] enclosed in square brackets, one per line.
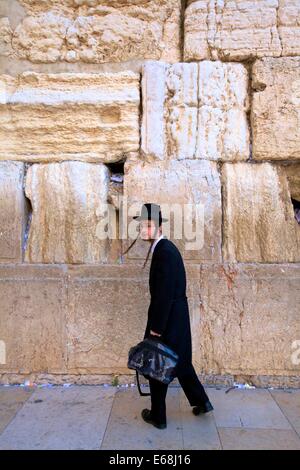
[168, 317]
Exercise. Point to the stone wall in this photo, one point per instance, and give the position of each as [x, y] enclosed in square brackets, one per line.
[169, 101]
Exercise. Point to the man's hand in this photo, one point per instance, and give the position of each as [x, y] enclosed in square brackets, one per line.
[153, 333]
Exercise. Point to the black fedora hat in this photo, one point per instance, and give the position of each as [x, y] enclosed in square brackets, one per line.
[151, 211]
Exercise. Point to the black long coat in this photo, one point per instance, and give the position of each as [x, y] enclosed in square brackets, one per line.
[168, 312]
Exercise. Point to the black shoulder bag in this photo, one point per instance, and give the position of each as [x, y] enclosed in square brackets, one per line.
[153, 358]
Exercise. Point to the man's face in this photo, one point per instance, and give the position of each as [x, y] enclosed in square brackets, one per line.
[147, 229]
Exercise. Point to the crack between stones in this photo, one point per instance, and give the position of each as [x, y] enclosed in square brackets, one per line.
[277, 28]
[181, 34]
[198, 112]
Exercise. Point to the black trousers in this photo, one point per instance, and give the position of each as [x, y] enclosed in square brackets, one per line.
[191, 386]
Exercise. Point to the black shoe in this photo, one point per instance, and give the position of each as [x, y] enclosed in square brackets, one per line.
[203, 408]
[146, 415]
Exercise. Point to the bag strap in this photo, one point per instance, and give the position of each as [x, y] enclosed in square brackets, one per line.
[139, 387]
[169, 353]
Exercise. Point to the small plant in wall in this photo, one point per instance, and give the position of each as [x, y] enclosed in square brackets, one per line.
[115, 381]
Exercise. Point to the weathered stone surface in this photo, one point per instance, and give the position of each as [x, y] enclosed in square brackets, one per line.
[259, 223]
[5, 37]
[223, 103]
[293, 175]
[99, 332]
[289, 27]
[241, 30]
[275, 114]
[89, 117]
[181, 110]
[12, 211]
[99, 31]
[13, 10]
[67, 200]
[189, 193]
[153, 125]
[67, 320]
[39, 6]
[248, 319]
[32, 320]
[195, 111]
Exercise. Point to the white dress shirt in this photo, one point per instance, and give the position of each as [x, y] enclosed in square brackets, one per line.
[156, 241]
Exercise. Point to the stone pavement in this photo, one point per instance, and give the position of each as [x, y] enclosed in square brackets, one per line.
[107, 417]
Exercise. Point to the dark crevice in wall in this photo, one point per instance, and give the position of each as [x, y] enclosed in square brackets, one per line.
[140, 111]
[292, 172]
[219, 167]
[27, 213]
[117, 167]
[250, 91]
[296, 206]
[115, 195]
[181, 38]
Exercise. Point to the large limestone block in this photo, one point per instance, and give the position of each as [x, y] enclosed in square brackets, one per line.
[275, 113]
[289, 26]
[189, 193]
[153, 103]
[107, 315]
[249, 319]
[64, 116]
[12, 211]
[259, 223]
[223, 132]
[241, 30]
[32, 319]
[195, 111]
[99, 31]
[68, 201]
